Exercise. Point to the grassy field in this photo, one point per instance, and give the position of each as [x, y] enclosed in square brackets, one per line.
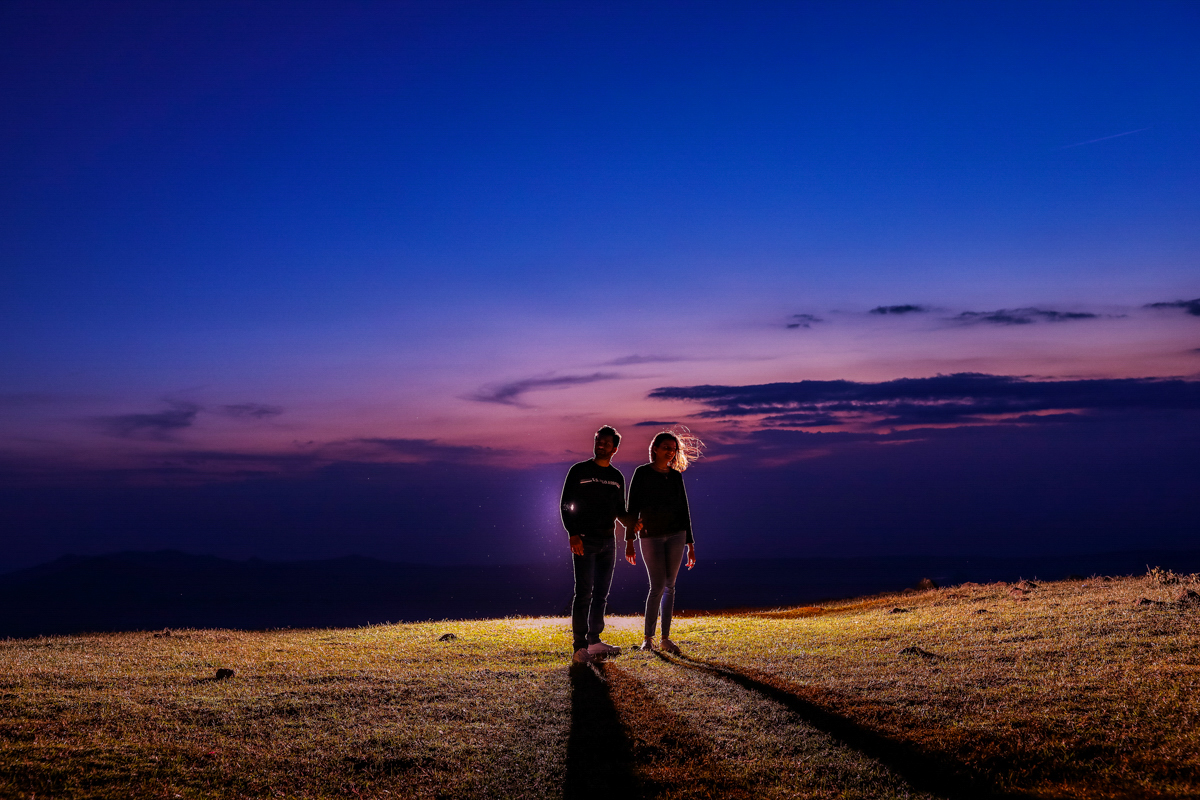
[1084, 689]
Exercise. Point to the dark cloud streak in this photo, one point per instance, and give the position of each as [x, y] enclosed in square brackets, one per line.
[1190, 306]
[159, 425]
[802, 420]
[253, 410]
[633, 360]
[509, 394]
[804, 320]
[894, 310]
[1021, 316]
[942, 399]
[180, 416]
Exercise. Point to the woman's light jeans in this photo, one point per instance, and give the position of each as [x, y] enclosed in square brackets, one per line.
[662, 555]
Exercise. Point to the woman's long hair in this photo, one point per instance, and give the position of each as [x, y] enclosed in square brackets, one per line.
[688, 446]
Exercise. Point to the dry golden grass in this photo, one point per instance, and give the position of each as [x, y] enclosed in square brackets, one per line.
[1072, 689]
[372, 712]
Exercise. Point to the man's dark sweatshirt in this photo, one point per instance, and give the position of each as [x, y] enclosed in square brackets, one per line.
[592, 498]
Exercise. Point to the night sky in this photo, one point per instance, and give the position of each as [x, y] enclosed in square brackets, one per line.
[302, 280]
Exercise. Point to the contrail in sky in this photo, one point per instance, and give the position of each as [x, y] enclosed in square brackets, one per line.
[1103, 138]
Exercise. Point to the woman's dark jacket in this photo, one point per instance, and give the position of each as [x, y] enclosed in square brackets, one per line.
[661, 501]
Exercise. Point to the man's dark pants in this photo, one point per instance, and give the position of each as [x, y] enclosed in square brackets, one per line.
[593, 578]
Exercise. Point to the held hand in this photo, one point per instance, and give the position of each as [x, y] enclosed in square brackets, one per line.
[691, 562]
[637, 526]
[577, 545]
[630, 555]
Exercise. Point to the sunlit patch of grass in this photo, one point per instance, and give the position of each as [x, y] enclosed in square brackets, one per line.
[381, 711]
[1087, 689]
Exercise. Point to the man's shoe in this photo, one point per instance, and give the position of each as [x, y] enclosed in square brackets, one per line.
[600, 649]
[670, 646]
[646, 646]
[582, 656]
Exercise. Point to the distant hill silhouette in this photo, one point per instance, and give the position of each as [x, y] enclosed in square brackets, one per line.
[145, 591]
[170, 589]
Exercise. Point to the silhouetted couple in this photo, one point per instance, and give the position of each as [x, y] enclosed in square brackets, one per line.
[593, 501]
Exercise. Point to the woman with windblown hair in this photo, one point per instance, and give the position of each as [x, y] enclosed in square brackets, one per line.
[658, 500]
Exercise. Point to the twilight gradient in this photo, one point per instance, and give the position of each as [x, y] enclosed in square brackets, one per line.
[257, 257]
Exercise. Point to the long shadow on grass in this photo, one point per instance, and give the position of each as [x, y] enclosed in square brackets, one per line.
[673, 757]
[599, 756]
[942, 776]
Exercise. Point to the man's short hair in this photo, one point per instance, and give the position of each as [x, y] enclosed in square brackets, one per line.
[609, 430]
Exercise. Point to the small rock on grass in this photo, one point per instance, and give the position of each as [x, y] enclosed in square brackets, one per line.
[898, 610]
[223, 673]
[447, 637]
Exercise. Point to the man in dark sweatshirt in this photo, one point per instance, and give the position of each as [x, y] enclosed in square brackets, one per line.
[593, 499]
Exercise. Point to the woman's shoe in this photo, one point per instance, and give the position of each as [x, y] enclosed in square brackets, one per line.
[670, 646]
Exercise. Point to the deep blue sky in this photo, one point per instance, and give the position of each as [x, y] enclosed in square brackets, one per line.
[257, 248]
